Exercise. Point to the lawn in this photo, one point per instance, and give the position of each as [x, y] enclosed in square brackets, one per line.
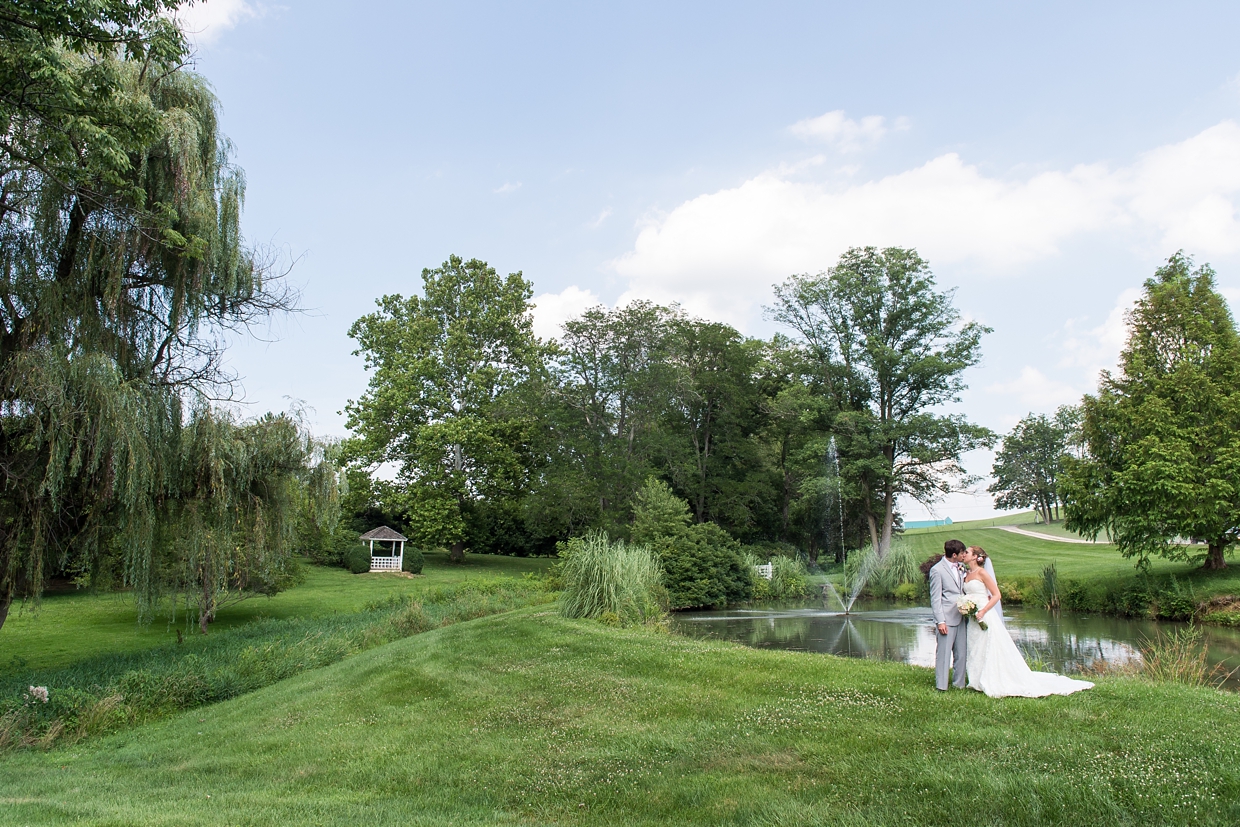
[526, 718]
[1017, 555]
[69, 627]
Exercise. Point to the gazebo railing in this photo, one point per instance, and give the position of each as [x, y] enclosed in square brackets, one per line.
[385, 563]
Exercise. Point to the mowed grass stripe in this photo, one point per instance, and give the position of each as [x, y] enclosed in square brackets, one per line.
[529, 718]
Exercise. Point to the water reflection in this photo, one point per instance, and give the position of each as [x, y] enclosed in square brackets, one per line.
[885, 631]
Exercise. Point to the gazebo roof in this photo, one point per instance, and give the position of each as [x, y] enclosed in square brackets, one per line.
[382, 533]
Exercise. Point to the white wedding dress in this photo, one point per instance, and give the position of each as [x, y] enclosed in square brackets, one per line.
[996, 667]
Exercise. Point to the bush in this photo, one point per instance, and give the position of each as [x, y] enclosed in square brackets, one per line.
[604, 579]
[658, 513]
[357, 558]
[703, 567]
[907, 592]
[789, 578]
[329, 549]
[413, 561]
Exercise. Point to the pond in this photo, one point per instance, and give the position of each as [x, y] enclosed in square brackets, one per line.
[890, 631]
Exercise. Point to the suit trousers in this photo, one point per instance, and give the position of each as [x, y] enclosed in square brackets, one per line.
[951, 646]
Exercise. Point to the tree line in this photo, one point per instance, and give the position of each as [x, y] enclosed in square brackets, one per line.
[504, 442]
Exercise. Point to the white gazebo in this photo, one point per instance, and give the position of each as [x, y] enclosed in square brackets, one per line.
[390, 542]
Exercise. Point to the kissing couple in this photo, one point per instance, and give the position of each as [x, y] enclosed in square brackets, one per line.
[970, 632]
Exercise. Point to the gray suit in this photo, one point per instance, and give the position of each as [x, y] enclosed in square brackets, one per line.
[946, 584]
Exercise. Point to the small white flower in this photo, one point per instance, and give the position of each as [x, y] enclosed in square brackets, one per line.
[37, 693]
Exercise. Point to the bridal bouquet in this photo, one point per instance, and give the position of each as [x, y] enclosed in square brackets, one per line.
[968, 608]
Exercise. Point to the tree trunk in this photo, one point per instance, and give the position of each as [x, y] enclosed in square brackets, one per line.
[1214, 560]
[73, 238]
[457, 553]
[6, 600]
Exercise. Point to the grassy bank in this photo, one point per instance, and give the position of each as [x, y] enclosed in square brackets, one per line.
[111, 692]
[529, 718]
[68, 627]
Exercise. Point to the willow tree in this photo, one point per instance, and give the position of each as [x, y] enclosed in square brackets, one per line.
[228, 526]
[122, 266]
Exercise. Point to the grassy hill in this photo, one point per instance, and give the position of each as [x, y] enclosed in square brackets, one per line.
[68, 627]
[528, 718]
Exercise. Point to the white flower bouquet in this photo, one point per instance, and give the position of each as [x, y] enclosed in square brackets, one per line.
[968, 608]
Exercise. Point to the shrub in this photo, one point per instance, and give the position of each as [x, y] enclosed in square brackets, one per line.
[357, 558]
[605, 578]
[658, 513]
[1012, 592]
[329, 549]
[761, 586]
[907, 592]
[703, 567]
[789, 578]
[413, 561]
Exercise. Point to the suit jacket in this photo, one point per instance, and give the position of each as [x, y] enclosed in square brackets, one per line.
[946, 585]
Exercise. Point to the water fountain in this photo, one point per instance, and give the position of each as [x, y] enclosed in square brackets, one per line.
[833, 512]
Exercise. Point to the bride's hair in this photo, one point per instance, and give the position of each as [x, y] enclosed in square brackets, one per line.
[981, 555]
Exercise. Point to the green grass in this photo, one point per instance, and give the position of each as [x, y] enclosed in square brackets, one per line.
[527, 718]
[1016, 555]
[1020, 518]
[68, 627]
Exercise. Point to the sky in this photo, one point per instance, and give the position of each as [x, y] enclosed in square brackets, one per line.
[1044, 158]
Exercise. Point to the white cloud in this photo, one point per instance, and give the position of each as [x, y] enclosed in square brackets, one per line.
[719, 253]
[1037, 392]
[598, 222]
[845, 134]
[1096, 349]
[507, 187]
[206, 20]
[551, 310]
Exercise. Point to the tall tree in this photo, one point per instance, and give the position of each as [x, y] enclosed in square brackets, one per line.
[442, 403]
[711, 415]
[1162, 438]
[121, 264]
[890, 348]
[610, 388]
[1028, 465]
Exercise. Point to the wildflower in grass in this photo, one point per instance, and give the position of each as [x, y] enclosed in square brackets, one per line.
[37, 694]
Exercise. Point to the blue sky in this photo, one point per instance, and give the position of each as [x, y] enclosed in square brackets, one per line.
[1043, 157]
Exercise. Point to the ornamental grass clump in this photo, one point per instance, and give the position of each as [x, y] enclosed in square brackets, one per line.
[881, 576]
[789, 578]
[611, 578]
[1179, 656]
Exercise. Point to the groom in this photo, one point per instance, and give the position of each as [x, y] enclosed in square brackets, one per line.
[946, 585]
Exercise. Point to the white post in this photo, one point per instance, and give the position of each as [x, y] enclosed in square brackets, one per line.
[372, 555]
[400, 564]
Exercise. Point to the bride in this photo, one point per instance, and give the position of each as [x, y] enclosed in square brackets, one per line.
[993, 663]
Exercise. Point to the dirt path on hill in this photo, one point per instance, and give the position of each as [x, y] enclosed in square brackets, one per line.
[1016, 530]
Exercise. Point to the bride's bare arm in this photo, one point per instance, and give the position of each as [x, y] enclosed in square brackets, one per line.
[993, 588]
